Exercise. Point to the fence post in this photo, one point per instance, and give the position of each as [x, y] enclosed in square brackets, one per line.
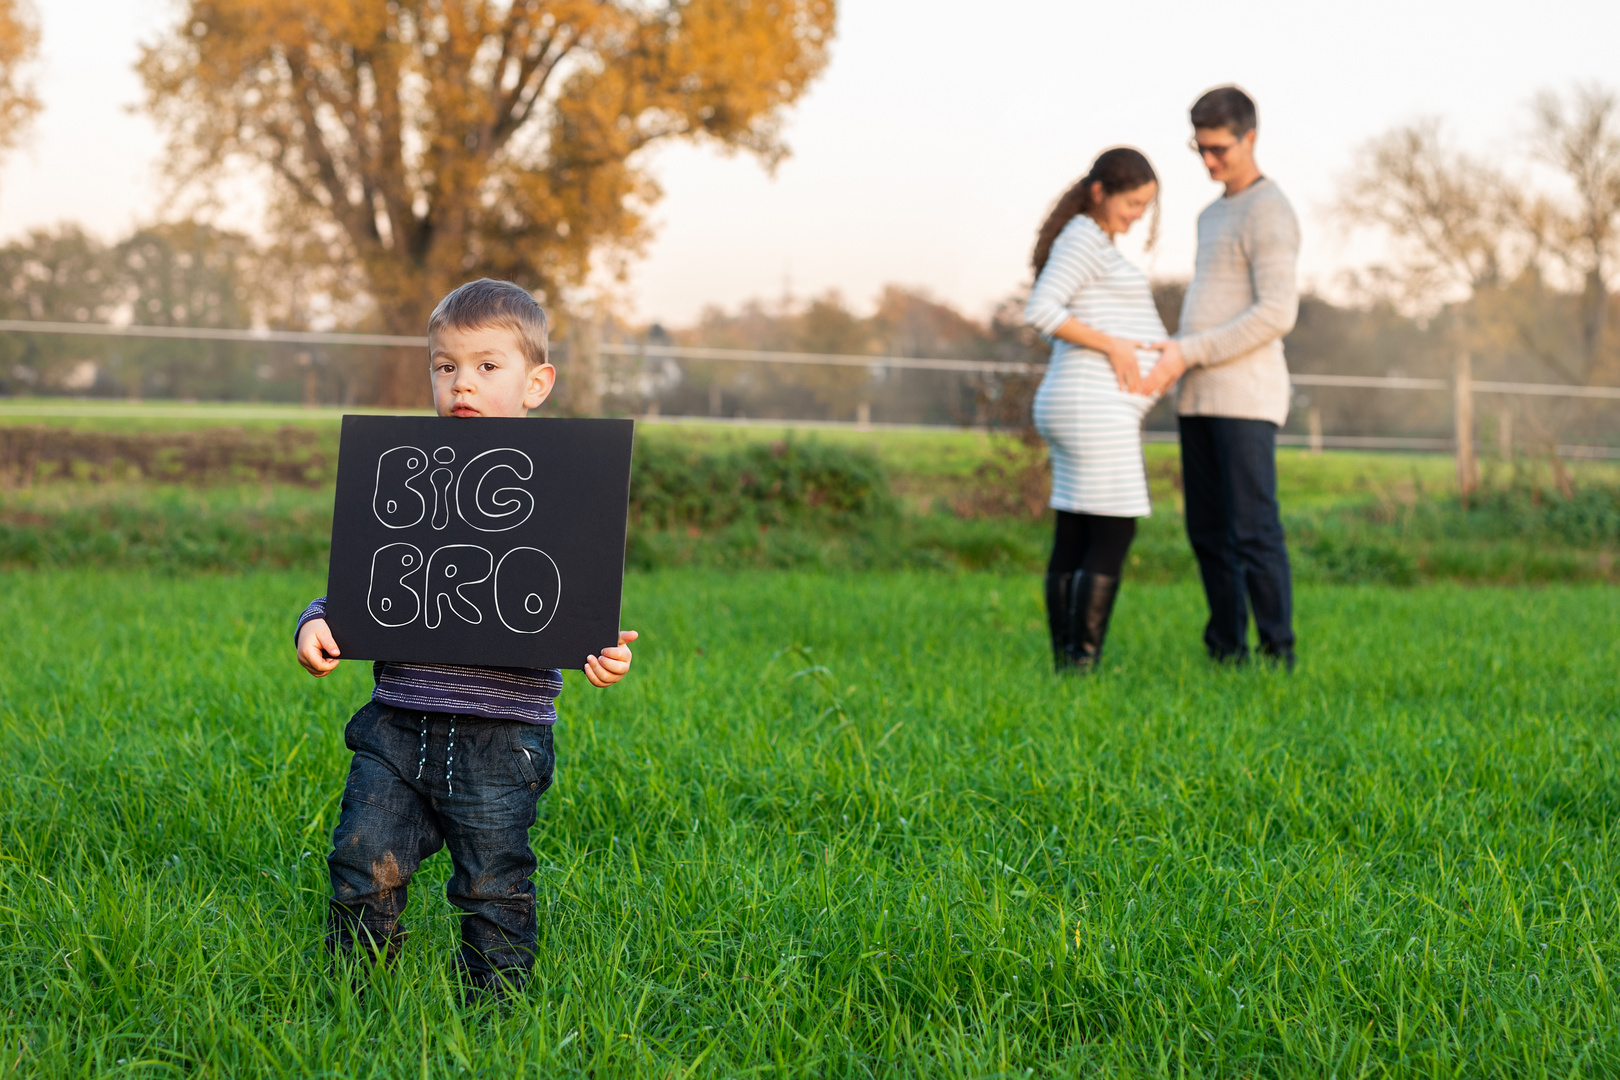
[1314, 416]
[1463, 417]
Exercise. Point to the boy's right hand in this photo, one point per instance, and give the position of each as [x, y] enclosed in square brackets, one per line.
[316, 649]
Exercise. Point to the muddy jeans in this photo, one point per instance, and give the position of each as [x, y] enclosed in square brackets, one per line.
[422, 781]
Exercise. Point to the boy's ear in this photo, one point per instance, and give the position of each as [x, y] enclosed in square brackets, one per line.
[542, 377]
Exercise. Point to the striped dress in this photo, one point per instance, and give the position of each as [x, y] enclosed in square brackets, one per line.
[1093, 428]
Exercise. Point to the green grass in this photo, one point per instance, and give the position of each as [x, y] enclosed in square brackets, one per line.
[168, 527]
[1504, 538]
[845, 825]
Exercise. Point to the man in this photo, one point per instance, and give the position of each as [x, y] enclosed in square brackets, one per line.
[1242, 301]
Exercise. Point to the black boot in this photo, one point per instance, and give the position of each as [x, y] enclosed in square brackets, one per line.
[1057, 618]
[1091, 602]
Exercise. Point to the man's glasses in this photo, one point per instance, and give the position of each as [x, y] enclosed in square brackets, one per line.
[1201, 149]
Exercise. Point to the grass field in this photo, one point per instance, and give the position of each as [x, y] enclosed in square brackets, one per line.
[845, 825]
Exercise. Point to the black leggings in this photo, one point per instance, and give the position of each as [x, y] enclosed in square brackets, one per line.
[1091, 542]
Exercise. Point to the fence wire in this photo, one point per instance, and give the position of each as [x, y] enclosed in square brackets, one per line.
[662, 381]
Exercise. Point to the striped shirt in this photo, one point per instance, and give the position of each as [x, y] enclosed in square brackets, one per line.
[526, 694]
[1093, 429]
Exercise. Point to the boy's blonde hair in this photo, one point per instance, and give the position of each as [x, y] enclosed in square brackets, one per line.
[487, 302]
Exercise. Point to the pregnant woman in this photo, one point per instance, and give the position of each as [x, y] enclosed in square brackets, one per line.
[1097, 309]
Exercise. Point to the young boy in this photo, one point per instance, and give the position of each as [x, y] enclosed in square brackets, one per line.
[446, 755]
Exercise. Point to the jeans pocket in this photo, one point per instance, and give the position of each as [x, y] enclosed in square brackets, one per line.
[358, 732]
[531, 749]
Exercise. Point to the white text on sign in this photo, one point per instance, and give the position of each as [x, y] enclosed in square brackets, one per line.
[413, 487]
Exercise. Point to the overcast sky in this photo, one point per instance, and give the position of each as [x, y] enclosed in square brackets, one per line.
[942, 130]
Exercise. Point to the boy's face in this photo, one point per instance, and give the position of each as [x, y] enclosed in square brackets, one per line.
[483, 372]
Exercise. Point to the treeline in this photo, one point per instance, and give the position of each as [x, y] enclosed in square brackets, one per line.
[177, 274]
[1376, 337]
[1523, 330]
[193, 274]
[904, 322]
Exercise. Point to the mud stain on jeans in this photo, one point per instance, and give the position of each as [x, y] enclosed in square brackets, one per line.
[385, 872]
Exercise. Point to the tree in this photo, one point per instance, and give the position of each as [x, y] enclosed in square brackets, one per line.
[19, 44]
[909, 322]
[1461, 234]
[58, 275]
[828, 326]
[186, 274]
[1471, 246]
[1580, 137]
[1464, 243]
[432, 141]
[1449, 217]
[182, 273]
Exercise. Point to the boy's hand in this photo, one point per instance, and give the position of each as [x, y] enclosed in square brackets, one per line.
[319, 653]
[611, 666]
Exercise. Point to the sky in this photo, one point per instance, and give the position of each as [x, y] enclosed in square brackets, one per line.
[941, 131]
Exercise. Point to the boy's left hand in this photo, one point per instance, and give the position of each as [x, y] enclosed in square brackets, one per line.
[613, 664]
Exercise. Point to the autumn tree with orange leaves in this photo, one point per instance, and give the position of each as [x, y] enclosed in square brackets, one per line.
[19, 44]
[427, 142]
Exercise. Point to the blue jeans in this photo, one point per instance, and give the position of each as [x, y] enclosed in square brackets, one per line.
[1229, 473]
[422, 781]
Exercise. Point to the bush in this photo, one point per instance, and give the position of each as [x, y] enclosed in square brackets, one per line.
[787, 483]
[1336, 556]
[808, 504]
[1589, 516]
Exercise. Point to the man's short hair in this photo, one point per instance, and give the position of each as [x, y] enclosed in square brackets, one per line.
[487, 302]
[1225, 107]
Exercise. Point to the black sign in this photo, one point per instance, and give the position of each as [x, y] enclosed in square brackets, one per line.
[488, 541]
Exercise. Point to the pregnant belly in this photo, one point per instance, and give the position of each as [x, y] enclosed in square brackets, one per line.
[1082, 386]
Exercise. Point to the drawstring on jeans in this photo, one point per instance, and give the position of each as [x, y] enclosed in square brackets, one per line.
[449, 756]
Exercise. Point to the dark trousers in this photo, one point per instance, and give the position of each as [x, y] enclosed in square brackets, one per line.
[1092, 542]
[473, 788]
[1229, 471]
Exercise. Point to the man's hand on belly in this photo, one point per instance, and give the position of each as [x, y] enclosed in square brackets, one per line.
[1171, 366]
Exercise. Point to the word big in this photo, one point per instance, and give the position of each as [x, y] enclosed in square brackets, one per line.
[413, 487]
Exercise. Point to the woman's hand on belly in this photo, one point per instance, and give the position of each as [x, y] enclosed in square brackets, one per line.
[1121, 356]
[1120, 353]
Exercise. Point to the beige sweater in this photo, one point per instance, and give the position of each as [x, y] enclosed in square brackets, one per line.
[1242, 301]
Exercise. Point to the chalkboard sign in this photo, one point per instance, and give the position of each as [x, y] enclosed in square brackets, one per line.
[494, 542]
